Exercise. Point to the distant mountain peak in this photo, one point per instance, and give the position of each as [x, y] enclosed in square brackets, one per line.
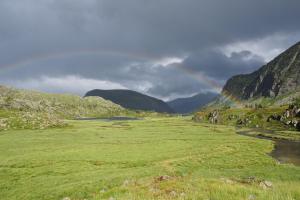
[191, 104]
[132, 100]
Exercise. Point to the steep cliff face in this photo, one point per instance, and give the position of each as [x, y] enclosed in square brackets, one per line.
[279, 77]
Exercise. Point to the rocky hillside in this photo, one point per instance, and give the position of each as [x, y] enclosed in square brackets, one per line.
[268, 98]
[30, 109]
[279, 118]
[132, 100]
[279, 77]
[191, 104]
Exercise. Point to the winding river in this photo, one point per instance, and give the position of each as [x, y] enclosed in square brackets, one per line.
[285, 151]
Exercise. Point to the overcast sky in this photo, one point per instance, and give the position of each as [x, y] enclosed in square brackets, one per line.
[164, 48]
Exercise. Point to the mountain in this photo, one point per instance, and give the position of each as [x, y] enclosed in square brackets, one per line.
[191, 104]
[132, 100]
[278, 78]
[268, 98]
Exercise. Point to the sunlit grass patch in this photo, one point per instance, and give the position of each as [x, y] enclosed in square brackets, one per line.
[127, 160]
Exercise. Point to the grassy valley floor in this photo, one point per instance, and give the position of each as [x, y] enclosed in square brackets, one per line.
[155, 158]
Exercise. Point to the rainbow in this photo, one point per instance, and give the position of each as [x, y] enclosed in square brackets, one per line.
[197, 75]
[201, 77]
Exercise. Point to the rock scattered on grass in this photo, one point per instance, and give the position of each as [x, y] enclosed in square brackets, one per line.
[102, 191]
[164, 178]
[154, 190]
[266, 184]
[126, 183]
[251, 197]
[182, 194]
[227, 181]
[251, 180]
[173, 193]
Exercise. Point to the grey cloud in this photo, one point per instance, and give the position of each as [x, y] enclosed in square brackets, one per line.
[140, 32]
[219, 66]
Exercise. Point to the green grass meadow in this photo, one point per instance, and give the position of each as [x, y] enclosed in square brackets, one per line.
[127, 159]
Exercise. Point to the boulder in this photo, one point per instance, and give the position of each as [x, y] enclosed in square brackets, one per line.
[294, 123]
[287, 114]
[251, 197]
[164, 178]
[239, 122]
[197, 118]
[274, 117]
[292, 106]
[232, 117]
[266, 184]
[126, 183]
[288, 123]
[173, 193]
[102, 191]
[292, 111]
[269, 184]
[298, 126]
[214, 117]
[297, 114]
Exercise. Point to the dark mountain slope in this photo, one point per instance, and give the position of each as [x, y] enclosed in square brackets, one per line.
[132, 100]
[279, 77]
[191, 104]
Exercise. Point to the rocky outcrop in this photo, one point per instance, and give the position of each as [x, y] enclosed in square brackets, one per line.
[214, 117]
[279, 77]
[289, 117]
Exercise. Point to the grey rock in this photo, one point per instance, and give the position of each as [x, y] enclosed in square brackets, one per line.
[298, 113]
[164, 178]
[274, 117]
[266, 184]
[214, 117]
[294, 123]
[173, 193]
[288, 123]
[251, 197]
[298, 126]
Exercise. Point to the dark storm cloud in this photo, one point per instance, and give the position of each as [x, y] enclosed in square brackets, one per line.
[139, 34]
[216, 64]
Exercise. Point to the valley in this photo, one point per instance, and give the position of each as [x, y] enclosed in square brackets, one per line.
[121, 144]
[153, 158]
[149, 100]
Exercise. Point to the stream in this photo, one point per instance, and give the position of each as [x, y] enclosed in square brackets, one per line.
[285, 151]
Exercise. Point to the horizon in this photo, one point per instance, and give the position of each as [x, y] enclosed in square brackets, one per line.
[167, 100]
